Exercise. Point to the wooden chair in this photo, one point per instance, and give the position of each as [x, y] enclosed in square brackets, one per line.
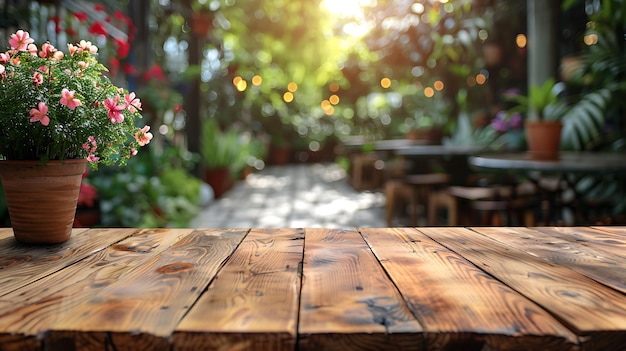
[413, 190]
[366, 171]
[493, 205]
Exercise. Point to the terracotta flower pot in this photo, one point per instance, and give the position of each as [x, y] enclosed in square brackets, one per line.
[219, 179]
[544, 138]
[42, 199]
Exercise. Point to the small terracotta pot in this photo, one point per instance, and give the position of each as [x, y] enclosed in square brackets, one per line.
[219, 179]
[544, 139]
[42, 199]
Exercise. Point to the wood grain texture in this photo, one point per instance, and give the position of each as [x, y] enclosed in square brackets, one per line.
[593, 261]
[348, 302]
[487, 289]
[593, 311]
[54, 298]
[157, 292]
[132, 287]
[253, 302]
[459, 305]
[21, 263]
[608, 241]
[16, 342]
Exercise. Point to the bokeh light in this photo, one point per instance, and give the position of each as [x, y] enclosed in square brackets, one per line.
[438, 85]
[520, 41]
[288, 96]
[385, 83]
[429, 92]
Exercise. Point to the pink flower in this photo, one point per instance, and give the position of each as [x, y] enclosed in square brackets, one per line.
[37, 78]
[46, 50]
[93, 158]
[32, 48]
[2, 69]
[72, 49]
[4, 57]
[68, 99]
[114, 109]
[132, 103]
[40, 114]
[20, 40]
[91, 145]
[58, 55]
[142, 136]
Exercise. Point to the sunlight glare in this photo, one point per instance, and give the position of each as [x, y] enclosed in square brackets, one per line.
[344, 8]
[351, 10]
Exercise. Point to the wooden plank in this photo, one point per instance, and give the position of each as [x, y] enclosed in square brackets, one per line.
[35, 307]
[132, 287]
[594, 261]
[141, 310]
[5, 233]
[253, 302]
[348, 302]
[611, 242]
[459, 305]
[10, 342]
[619, 230]
[22, 264]
[596, 313]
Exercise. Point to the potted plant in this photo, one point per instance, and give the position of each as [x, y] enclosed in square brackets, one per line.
[58, 111]
[430, 115]
[220, 154]
[543, 124]
[549, 110]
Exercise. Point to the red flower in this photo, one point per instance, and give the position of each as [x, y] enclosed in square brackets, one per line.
[130, 70]
[120, 15]
[114, 66]
[98, 8]
[123, 48]
[87, 195]
[81, 16]
[98, 29]
[154, 72]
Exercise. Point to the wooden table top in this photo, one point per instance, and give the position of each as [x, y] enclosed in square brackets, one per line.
[485, 288]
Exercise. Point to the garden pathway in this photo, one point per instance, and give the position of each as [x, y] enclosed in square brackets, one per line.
[294, 196]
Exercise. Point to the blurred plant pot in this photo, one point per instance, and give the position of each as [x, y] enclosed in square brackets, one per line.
[280, 154]
[42, 199]
[430, 136]
[219, 179]
[87, 217]
[201, 23]
[544, 139]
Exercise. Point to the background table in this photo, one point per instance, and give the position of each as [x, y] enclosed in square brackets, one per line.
[317, 289]
[569, 170]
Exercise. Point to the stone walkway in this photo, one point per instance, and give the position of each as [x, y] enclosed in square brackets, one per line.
[295, 196]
